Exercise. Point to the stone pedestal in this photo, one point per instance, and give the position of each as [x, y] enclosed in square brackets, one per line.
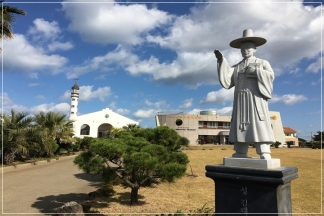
[244, 190]
[252, 162]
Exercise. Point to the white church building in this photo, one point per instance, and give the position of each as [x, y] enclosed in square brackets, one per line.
[94, 124]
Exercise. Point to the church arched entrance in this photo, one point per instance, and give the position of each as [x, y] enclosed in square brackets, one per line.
[102, 129]
[85, 129]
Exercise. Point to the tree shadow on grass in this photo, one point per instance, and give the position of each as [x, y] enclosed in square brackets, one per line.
[47, 204]
[94, 180]
[124, 199]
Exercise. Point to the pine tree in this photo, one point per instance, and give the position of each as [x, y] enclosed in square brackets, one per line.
[137, 157]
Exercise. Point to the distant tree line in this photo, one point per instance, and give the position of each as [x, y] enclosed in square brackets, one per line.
[317, 141]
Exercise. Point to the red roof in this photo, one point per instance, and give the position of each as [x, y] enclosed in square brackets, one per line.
[289, 130]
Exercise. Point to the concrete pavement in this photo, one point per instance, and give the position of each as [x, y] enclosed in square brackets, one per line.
[40, 188]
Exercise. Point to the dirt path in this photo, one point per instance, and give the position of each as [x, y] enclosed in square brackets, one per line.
[42, 187]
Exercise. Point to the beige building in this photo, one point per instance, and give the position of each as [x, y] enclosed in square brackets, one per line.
[209, 127]
[291, 136]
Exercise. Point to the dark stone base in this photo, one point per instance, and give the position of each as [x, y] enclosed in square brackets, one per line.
[246, 190]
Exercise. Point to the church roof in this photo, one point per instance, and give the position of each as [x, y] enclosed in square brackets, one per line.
[75, 86]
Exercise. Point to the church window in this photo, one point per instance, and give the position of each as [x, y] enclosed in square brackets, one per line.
[85, 129]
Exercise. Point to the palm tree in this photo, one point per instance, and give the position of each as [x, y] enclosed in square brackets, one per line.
[7, 18]
[14, 129]
[65, 131]
[131, 126]
[49, 122]
[112, 131]
[55, 127]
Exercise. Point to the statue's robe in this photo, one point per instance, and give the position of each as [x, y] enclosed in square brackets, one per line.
[250, 117]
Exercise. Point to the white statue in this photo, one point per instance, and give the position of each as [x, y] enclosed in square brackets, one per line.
[252, 78]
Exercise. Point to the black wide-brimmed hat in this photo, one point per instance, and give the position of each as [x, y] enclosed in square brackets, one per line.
[248, 36]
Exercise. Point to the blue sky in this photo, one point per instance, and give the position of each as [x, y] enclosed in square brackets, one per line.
[140, 59]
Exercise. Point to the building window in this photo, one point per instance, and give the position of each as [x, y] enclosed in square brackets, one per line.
[201, 124]
[72, 106]
[73, 99]
[85, 129]
[226, 124]
[178, 122]
[72, 112]
[212, 124]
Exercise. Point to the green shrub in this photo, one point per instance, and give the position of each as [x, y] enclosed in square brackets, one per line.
[85, 143]
[52, 146]
[314, 145]
[107, 190]
[276, 144]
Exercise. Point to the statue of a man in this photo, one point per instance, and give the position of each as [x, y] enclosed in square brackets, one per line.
[252, 78]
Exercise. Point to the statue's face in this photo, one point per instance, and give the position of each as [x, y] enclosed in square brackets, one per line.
[248, 49]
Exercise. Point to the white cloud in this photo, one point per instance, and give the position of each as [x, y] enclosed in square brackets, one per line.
[66, 95]
[61, 108]
[148, 103]
[314, 113]
[108, 22]
[194, 36]
[315, 67]
[194, 112]
[159, 105]
[86, 93]
[59, 46]
[20, 55]
[288, 99]
[120, 57]
[186, 103]
[43, 28]
[221, 96]
[214, 25]
[8, 104]
[33, 75]
[144, 113]
[225, 110]
[101, 77]
[40, 97]
[152, 110]
[188, 68]
[33, 84]
[46, 34]
[120, 111]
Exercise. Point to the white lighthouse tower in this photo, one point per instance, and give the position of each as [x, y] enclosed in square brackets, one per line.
[74, 101]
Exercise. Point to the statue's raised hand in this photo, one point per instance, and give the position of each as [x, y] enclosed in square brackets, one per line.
[218, 55]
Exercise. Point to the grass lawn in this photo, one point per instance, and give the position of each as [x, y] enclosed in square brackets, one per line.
[190, 193]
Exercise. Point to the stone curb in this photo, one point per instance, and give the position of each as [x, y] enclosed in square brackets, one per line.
[29, 165]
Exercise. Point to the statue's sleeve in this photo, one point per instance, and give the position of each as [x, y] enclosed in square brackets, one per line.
[225, 74]
[265, 79]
